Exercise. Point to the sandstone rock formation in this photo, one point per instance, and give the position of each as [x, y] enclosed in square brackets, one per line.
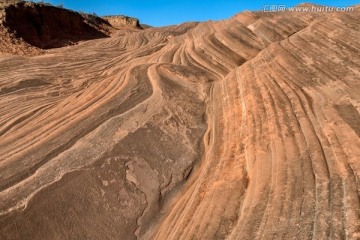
[27, 25]
[121, 21]
[246, 128]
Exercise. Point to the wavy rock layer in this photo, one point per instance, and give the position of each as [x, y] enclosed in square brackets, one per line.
[241, 129]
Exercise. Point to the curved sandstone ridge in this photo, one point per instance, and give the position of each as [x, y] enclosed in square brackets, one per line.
[240, 129]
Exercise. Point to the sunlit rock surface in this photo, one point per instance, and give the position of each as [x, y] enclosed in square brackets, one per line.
[246, 128]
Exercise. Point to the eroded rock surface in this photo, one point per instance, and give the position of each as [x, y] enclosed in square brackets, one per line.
[123, 21]
[246, 128]
[26, 27]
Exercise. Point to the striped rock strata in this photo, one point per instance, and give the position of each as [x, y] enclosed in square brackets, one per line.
[246, 128]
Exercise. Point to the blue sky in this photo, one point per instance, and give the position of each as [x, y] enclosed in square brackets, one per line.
[169, 12]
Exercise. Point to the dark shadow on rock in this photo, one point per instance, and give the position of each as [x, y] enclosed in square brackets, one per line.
[46, 26]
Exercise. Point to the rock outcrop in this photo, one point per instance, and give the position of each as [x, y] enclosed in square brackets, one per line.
[27, 27]
[123, 21]
[45, 26]
[246, 128]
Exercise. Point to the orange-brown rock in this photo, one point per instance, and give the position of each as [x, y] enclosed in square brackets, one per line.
[123, 21]
[246, 128]
[27, 25]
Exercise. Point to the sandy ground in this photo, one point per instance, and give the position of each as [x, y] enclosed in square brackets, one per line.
[246, 128]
